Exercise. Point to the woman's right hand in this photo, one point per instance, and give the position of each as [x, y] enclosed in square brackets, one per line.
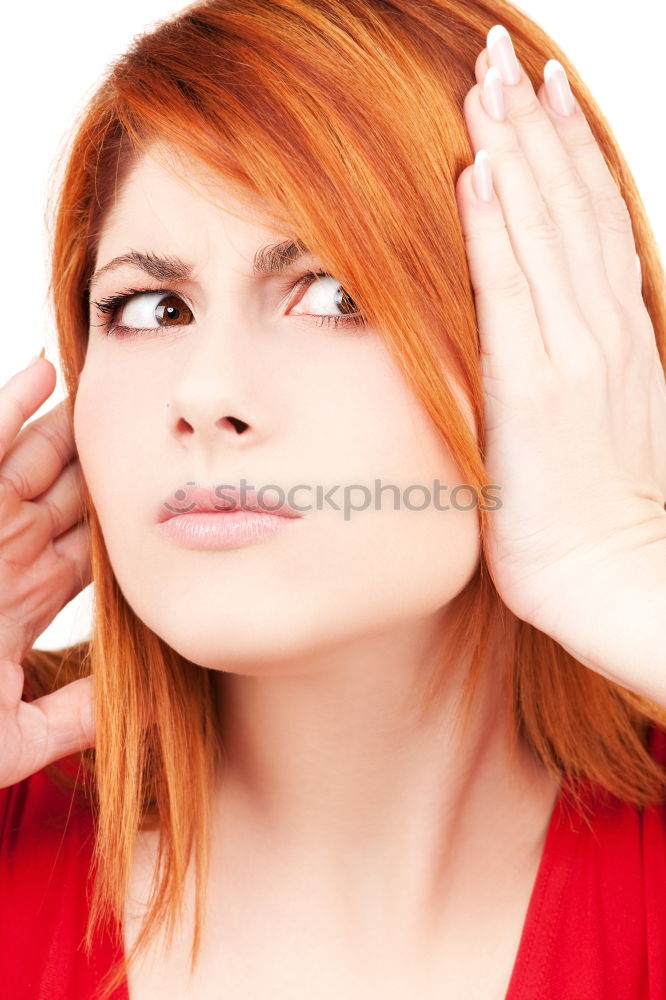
[44, 563]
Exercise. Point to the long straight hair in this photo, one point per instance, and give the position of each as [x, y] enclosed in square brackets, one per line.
[345, 117]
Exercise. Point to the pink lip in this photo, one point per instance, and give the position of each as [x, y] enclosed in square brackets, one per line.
[202, 518]
[222, 531]
[195, 499]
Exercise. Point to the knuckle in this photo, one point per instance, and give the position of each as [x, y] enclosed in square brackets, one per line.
[613, 214]
[529, 113]
[11, 478]
[565, 188]
[539, 224]
[581, 138]
[507, 282]
[9, 399]
[53, 513]
[54, 436]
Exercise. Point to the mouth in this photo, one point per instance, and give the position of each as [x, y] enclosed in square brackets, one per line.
[192, 498]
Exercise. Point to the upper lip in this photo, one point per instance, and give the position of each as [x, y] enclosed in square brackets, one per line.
[193, 498]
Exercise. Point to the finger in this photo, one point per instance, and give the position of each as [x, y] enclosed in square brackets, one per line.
[21, 396]
[511, 343]
[65, 571]
[613, 218]
[56, 725]
[64, 502]
[36, 523]
[567, 197]
[40, 452]
[535, 238]
[62, 570]
[73, 546]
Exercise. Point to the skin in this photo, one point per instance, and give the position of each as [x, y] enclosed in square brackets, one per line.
[319, 650]
[380, 819]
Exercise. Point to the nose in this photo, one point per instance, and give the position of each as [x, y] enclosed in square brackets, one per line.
[211, 398]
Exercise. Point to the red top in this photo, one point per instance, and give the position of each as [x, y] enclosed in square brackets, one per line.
[595, 927]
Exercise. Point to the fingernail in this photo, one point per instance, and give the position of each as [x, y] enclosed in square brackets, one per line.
[482, 176]
[36, 358]
[502, 55]
[557, 88]
[493, 98]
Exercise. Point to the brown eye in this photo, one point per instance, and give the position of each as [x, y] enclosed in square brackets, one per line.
[172, 311]
[143, 311]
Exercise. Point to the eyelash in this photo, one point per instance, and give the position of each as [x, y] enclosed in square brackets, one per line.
[112, 304]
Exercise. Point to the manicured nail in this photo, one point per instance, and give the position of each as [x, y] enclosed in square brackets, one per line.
[557, 88]
[36, 358]
[493, 98]
[482, 176]
[502, 55]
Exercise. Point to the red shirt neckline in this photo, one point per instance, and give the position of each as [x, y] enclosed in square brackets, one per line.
[541, 919]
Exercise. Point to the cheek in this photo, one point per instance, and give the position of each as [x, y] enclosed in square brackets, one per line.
[103, 423]
[418, 545]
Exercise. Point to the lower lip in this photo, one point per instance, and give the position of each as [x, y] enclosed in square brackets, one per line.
[227, 530]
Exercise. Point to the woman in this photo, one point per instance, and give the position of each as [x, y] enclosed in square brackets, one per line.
[416, 716]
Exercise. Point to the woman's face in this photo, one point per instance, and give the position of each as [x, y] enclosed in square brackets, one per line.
[320, 405]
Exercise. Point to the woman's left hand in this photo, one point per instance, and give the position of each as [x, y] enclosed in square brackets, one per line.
[574, 388]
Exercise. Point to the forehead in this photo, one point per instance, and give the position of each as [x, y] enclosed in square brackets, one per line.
[160, 205]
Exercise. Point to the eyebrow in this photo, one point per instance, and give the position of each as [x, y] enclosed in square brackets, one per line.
[268, 260]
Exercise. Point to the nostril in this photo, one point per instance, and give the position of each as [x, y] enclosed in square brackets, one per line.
[240, 425]
[184, 426]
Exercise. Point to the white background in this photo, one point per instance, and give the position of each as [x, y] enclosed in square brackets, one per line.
[55, 53]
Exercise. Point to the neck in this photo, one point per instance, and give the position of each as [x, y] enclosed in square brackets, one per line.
[331, 771]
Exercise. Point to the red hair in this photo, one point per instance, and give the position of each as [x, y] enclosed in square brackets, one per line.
[345, 116]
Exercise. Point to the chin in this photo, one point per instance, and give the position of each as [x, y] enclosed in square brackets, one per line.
[245, 639]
